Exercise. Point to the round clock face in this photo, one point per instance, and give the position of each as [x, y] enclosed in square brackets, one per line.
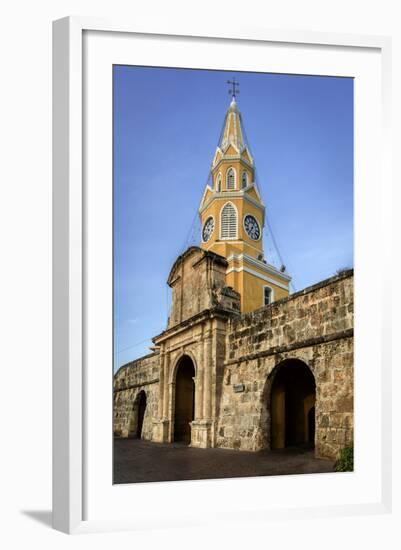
[207, 229]
[252, 227]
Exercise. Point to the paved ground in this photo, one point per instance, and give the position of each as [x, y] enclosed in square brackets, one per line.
[137, 461]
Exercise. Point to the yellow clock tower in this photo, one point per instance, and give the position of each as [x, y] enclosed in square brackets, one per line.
[232, 217]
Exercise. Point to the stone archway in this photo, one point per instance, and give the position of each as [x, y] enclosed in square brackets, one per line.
[292, 405]
[184, 400]
[135, 429]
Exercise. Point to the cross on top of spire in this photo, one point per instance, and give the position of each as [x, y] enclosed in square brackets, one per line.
[234, 84]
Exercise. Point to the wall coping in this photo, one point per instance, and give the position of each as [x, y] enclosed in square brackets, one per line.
[132, 363]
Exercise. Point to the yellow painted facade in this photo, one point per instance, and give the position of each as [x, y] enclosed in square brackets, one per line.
[232, 217]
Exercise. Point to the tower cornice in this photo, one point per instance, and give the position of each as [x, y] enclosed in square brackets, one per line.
[232, 158]
[268, 268]
[226, 195]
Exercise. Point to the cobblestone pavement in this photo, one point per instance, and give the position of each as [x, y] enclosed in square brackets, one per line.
[138, 461]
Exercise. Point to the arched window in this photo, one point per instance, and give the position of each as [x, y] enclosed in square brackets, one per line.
[230, 179]
[244, 180]
[218, 183]
[228, 222]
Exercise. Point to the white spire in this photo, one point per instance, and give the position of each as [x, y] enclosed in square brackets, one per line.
[232, 133]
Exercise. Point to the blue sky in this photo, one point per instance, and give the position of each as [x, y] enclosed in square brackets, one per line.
[166, 127]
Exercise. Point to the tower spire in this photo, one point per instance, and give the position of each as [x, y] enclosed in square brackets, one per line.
[232, 133]
[232, 215]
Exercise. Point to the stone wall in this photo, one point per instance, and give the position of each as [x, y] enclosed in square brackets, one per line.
[129, 381]
[314, 326]
[311, 315]
[237, 357]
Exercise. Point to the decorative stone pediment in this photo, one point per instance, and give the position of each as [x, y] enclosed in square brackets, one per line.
[197, 279]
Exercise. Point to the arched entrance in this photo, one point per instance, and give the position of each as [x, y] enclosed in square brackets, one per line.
[292, 405]
[137, 416]
[184, 400]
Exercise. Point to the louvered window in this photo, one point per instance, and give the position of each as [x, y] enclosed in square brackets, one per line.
[228, 222]
[230, 184]
[244, 180]
[218, 183]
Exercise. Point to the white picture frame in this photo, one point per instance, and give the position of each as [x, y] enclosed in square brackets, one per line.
[71, 255]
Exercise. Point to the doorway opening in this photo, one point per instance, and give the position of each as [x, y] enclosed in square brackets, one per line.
[137, 416]
[184, 400]
[293, 397]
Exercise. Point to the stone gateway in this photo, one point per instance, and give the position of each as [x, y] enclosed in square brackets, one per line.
[242, 363]
[279, 376]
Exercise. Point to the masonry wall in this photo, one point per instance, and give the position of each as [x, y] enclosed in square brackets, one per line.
[129, 381]
[236, 358]
[314, 326]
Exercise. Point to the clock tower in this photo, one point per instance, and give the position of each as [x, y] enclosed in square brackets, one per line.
[232, 217]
